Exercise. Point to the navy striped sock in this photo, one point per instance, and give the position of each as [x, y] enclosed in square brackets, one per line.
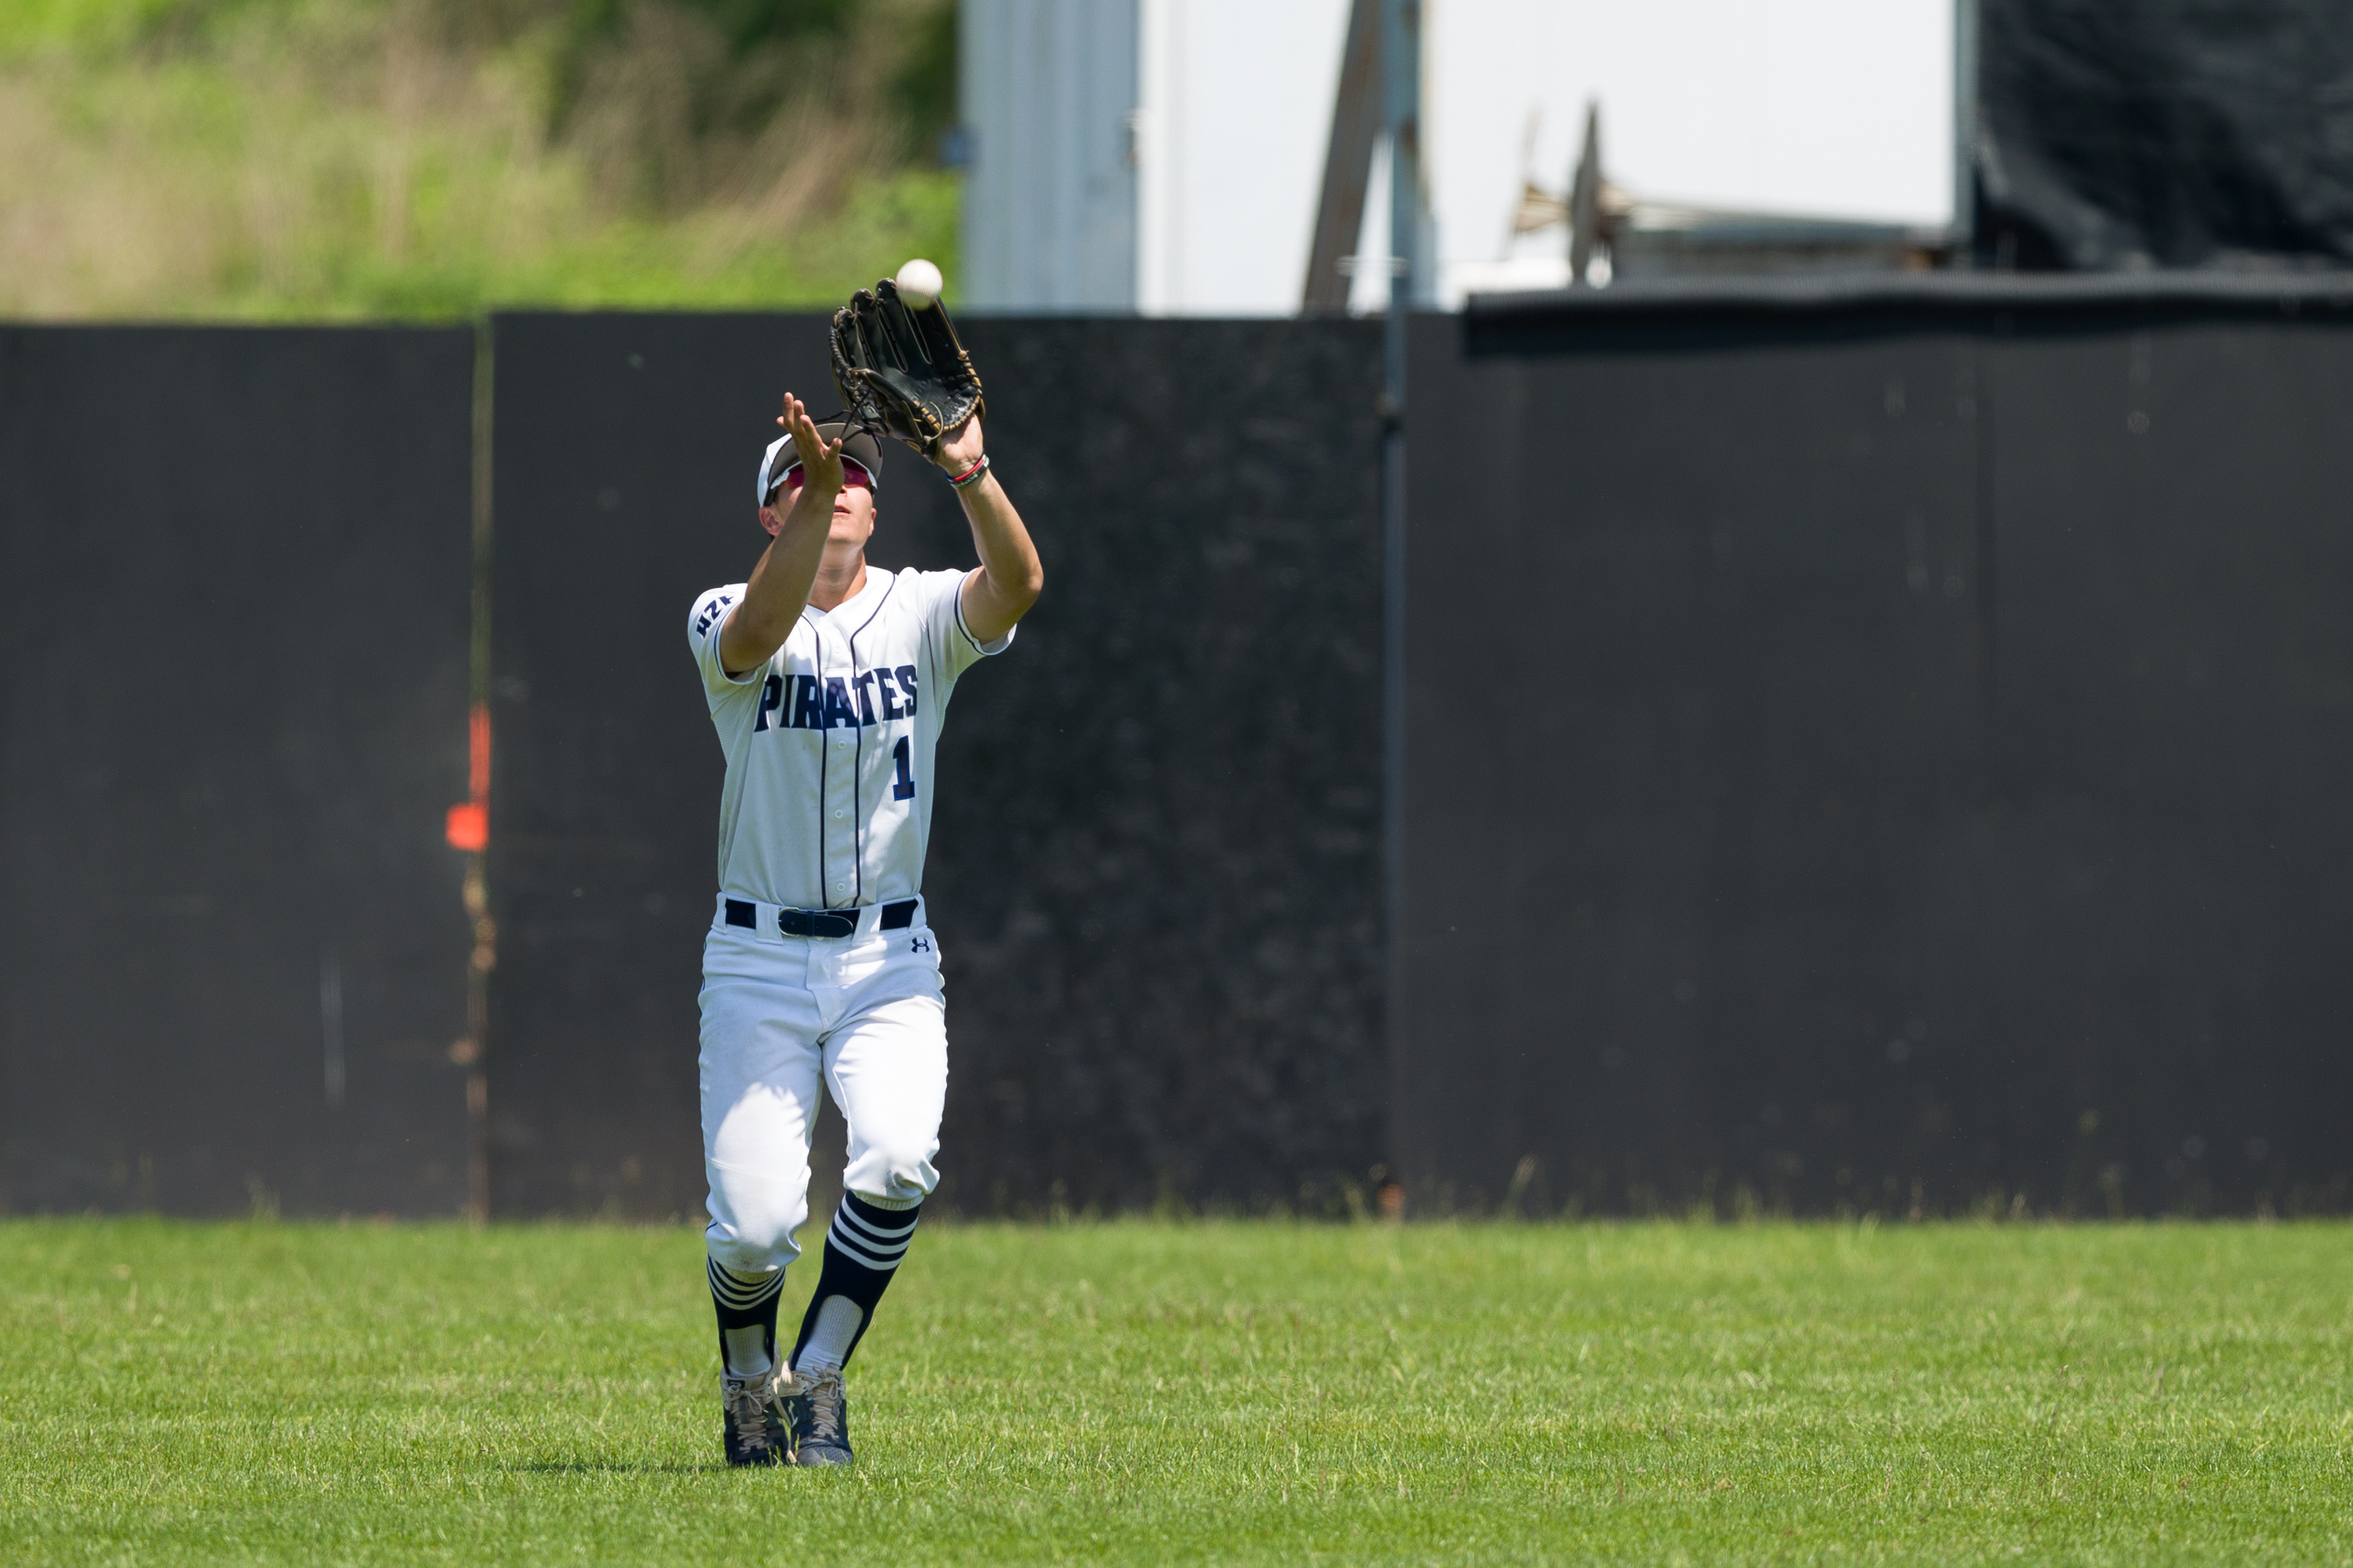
[744, 1301]
[862, 1250]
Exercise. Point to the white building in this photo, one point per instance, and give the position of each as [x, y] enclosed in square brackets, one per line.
[1164, 156]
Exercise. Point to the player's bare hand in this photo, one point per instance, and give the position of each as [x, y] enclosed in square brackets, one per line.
[821, 458]
[960, 448]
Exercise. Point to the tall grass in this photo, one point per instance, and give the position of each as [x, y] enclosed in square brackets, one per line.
[348, 158]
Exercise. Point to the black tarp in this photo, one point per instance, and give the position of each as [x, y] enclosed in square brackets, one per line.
[233, 569]
[1155, 865]
[1886, 752]
[2209, 134]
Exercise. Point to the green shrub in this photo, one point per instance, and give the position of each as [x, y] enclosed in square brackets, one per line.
[430, 158]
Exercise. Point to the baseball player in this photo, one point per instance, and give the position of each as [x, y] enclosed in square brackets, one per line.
[828, 680]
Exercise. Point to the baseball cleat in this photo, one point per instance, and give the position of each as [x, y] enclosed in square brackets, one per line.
[819, 1414]
[751, 1425]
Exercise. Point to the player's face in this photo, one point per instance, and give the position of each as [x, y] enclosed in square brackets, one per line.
[853, 504]
[853, 510]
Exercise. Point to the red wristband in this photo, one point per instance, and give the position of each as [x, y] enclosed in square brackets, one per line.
[978, 468]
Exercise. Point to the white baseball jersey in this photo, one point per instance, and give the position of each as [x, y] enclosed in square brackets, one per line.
[828, 803]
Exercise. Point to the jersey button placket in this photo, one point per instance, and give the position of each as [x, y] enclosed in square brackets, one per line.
[842, 820]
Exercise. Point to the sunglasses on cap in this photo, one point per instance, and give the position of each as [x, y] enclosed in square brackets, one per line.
[853, 472]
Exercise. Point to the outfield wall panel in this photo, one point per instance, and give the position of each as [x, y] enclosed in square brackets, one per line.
[1910, 736]
[236, 603]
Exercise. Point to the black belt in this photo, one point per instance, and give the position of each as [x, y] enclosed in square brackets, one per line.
[821, 922]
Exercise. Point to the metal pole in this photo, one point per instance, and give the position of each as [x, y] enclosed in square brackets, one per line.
[1585, 199]
[473, 1053]
[1401, 72]
[1358, 108]
[1965, 128]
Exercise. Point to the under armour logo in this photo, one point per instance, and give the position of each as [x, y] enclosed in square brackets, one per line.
[923, 944]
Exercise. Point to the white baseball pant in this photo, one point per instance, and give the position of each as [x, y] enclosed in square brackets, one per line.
[867, 1017]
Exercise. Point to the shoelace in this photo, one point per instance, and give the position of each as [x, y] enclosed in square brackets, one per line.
[747, 1409]
[824, 1392]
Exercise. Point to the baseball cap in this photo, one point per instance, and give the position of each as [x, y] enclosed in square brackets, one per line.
[862, 445]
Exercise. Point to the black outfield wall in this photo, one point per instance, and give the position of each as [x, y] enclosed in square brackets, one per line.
[1871, 747]
[233, 578]
[1155, 865]
[1884, 750]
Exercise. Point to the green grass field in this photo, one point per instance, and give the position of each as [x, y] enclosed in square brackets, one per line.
[1219, 1393]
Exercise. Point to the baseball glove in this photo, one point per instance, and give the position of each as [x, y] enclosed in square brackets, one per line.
[902, 370]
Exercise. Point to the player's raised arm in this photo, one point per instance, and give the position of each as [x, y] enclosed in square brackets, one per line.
[779, 587]
[1010, 576]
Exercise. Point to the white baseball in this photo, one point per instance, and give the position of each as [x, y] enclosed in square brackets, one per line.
[919, 282]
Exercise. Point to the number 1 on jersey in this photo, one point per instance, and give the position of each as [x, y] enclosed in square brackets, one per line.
[903, 786]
